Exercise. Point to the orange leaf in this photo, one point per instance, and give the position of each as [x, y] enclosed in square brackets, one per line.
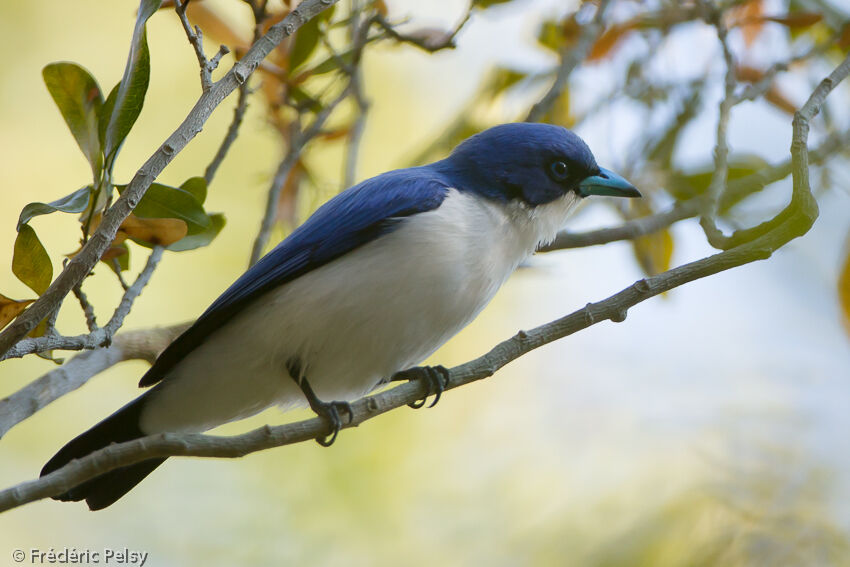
[607, 41]
[154, 231]
[775, 97]
[11, 308]
[748, 74]
[749, 18]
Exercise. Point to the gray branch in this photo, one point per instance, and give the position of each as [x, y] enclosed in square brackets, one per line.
[801, 214]
[132, 345]
[98, 337]
[82, 263]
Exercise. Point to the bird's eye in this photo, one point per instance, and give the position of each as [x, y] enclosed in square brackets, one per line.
[559, 170]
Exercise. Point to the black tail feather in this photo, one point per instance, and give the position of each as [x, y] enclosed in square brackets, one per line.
[103, 490]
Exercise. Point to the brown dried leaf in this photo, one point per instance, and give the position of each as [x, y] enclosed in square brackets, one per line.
[162, 231]
[335, 134]
[749, 17]
[748, 74]
[775, 97]
[11, 308]
[796, 19]
[844, 40]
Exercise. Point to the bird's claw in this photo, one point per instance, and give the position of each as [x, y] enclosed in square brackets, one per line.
[436, 379]
[330, 412]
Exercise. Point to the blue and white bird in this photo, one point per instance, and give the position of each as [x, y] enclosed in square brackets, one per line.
[370, 285]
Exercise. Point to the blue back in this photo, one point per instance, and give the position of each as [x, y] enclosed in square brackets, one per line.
[349, 220]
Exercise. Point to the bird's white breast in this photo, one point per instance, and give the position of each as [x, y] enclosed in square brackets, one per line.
[359, 319]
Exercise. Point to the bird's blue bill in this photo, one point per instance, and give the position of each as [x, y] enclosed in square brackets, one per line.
[606, 182]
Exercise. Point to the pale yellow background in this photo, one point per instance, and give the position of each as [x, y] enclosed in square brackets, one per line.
[716, 416]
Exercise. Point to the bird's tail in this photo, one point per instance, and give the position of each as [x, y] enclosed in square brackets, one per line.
[103, 490]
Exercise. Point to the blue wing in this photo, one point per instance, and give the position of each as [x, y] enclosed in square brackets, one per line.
[349, 220]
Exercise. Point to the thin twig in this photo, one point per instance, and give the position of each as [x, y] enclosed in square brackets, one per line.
[708, 219]
[359, 38]
[571, 56]
[133, 292]
[100, 336]
[196, 38]
[232, 133]
[88, 309]
[296, 147]
[427, 40]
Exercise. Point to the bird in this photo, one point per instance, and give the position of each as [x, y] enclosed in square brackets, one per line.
[369, 286]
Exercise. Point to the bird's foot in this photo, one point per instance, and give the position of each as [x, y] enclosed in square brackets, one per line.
[435, 378]
[329, 411]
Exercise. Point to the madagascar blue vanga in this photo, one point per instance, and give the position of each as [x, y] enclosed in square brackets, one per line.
[370, 285]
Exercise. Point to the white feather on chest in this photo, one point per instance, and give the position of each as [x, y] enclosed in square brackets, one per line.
[379, 309]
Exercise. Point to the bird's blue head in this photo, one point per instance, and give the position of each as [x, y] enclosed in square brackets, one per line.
[535, 163]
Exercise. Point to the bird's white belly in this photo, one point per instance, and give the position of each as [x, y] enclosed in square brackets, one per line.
[352, 322]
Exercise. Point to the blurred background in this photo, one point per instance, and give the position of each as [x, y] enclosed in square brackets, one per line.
[711, 427]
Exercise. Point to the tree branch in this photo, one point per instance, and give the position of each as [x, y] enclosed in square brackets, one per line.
[90, 254]
[99, 336]
[708, 217]
[142, 344]
[232, 133]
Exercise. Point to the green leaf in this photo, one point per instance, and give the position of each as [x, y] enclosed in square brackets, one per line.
[106, 114]
[332, 63]
[161, 201]
[501, 79]
[305, 42]
[484, 4]
[551, 35]
[197, 186]
[30, 262]
[688, 185]
[193, 241]
[130, 95]
[76, 202]
[78, 97]
[303, 98]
